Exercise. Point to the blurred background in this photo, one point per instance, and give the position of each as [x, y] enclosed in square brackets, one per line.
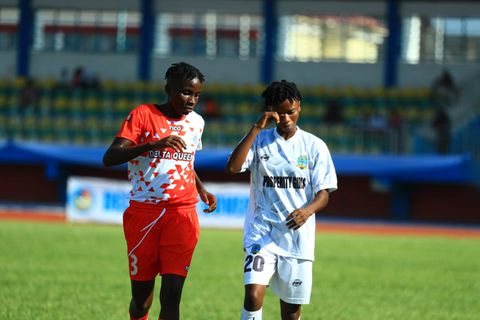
[392, 87]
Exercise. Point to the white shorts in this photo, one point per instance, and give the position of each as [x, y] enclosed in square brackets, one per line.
[289, 278]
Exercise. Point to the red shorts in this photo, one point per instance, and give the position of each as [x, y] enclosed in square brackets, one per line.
[160, 239]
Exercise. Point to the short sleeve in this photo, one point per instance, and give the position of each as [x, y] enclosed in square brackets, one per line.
[323, 174]
[250, 157]
[131, 128]
[200, 134]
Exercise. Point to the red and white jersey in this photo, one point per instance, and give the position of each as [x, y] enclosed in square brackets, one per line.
[162, 175]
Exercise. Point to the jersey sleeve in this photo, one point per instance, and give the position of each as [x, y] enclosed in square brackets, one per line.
[201, 130]
[131, 128]
[199, 145]
[250, 157]
[323, 172]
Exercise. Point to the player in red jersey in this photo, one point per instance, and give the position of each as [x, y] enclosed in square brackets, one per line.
[161, 224]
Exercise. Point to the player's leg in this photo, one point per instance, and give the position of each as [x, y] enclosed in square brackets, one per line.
[142, 258]
[170, 296]
[178, 239]
[259, 267]
[253, 301]
[292, 283]
[254, 294]
[290, 311]
[142, 297]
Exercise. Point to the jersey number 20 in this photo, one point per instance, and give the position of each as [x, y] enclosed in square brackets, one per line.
[254, 262]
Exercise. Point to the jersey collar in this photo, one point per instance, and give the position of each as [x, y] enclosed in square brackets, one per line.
[292, 138]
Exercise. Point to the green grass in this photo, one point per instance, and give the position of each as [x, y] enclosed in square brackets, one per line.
[64, 271]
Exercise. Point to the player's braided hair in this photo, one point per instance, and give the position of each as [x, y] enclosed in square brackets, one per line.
[183, 71]
[279, 91]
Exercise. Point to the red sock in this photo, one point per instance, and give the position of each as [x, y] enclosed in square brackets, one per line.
[145, 317]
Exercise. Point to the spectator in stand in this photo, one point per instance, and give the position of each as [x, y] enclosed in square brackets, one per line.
[78, 77]
[444, 91]
[373, 126]
[441, 125]
[84, 78]
[395, 125]
[91, 79]
[334, 114]
[28, 97]
[63, 79]
[209, 108]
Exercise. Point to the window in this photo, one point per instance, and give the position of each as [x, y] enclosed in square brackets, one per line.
[441, 39]
[8, 28]
[86, 31]
[331, 38]
[208, 34]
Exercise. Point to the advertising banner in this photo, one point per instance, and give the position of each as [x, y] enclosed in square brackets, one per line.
[232, 205]
[96, 199]
[104, 201]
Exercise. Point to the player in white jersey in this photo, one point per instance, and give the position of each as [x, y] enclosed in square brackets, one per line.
[291, 176]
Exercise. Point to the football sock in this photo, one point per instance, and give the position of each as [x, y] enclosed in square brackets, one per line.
[145, 317]
[251, 315]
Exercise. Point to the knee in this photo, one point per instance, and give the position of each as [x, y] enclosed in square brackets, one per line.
[253, 298]
[142, 296]
[140, 308]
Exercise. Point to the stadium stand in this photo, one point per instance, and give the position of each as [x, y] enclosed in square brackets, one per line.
[91, 116]
[383, 140]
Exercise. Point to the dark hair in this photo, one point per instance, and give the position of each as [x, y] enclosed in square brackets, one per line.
[183, 71]
[279, 91]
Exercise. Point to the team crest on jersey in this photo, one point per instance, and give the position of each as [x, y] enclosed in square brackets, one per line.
[255, 248]
[302, 162]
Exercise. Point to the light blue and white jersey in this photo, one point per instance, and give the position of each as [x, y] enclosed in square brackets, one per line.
[285, 175]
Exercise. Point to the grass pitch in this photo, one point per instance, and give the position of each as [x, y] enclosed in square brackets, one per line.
[65, 271]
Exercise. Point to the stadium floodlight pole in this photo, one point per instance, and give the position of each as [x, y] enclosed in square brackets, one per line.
[25, 32]
[270, 29]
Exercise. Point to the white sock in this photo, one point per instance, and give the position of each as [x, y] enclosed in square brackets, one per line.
[251, 315]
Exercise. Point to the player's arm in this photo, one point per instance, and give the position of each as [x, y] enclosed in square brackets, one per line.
[239, 154]
[298, 217]
[122, 150]
[206, 196]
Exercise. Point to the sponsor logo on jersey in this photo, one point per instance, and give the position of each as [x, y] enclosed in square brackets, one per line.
[168, 154]
[284, 182]
[176, 128]
[297, 283]
[302, 162]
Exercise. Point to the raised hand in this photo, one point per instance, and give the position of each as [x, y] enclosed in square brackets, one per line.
[266, 118]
